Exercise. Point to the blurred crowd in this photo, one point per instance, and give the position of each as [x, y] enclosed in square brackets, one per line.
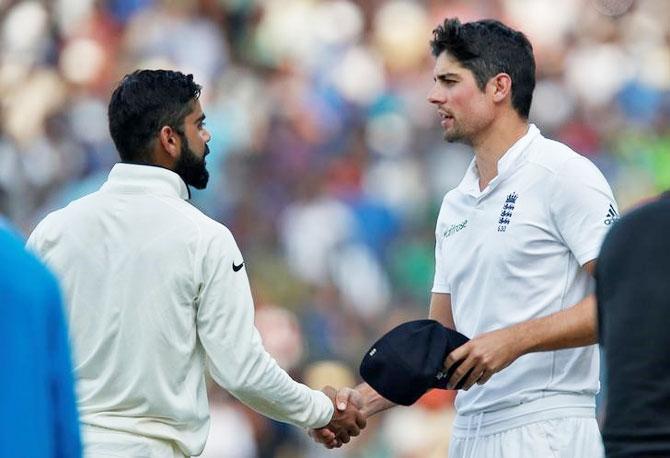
[327, 162]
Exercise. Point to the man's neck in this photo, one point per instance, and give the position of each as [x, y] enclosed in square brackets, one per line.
[493, 144]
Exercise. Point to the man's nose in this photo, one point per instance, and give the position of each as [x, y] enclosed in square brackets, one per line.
[434, 96]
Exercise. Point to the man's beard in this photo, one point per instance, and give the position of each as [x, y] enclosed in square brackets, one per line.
[458, 136]
[191, 168]
[454, 136]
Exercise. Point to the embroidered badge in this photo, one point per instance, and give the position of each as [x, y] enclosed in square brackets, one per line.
[506, 213]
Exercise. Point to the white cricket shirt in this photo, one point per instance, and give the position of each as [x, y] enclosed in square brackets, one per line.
[155, 291]
[513, 252]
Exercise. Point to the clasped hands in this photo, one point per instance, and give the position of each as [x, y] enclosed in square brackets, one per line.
[347, 420]
[476, 361]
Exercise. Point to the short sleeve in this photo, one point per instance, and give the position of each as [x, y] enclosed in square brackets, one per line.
[440, 281]
[582, 207]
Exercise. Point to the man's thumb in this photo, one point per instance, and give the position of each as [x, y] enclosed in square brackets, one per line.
[347, 395]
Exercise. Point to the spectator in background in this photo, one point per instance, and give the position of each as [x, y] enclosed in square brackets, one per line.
[156, 290]
[633, 294]
[37, 402]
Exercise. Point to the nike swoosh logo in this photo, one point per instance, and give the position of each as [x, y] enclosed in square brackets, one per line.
[236, 268]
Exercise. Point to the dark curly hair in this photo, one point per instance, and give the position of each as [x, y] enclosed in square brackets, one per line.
[489, 47]
[145, 101]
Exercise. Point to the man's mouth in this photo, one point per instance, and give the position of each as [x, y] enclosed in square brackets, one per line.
[445, 119]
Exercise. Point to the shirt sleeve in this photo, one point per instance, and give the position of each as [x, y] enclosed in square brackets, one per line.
[582, 207]
[440, 282]
[236, 356]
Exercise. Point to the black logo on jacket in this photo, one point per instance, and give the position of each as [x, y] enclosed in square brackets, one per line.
[506, 213]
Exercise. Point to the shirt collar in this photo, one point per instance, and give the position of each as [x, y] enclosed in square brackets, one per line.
[506, 164]
[146, 178]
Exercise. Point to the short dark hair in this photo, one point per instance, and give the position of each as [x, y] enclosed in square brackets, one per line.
[143, 102]
[489, 47]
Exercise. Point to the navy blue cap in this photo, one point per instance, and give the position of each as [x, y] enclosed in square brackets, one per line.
[409, 360]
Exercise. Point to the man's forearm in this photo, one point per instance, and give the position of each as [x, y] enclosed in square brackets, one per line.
[373, 402]
[491, 352]
[572, 327]
[576, 326]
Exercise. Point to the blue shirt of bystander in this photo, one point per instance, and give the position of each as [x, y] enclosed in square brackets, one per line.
[38, 414]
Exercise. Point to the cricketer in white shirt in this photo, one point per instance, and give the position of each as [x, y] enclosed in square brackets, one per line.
[156, 292]
[513, 252]
[516, 244]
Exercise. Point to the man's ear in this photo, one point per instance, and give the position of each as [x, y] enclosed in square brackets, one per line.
[500, 87]
[170, 142]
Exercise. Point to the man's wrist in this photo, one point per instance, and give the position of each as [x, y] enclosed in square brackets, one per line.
[373, 402]
[520, 339]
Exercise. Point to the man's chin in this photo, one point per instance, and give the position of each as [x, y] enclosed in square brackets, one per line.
[456, 137]
[200, 182]
[196, 179]
[452, 138]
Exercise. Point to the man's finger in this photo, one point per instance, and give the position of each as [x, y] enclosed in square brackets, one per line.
[361, 421]
[335, 443]
[325, 433]
[344, 437]
[461, 371]
[325, 437]
[329, 391]
[322, 435]
[455, 356]
[328, 438]
[475, 375]
[485, 377]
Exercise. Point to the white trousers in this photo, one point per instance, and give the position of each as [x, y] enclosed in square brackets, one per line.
[567, 437]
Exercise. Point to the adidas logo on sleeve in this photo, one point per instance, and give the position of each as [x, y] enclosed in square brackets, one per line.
[612, 215]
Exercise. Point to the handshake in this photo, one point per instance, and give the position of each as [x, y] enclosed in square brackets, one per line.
[398, 369]
[347, 421]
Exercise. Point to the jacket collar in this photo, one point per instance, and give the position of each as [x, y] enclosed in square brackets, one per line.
[146, 178]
